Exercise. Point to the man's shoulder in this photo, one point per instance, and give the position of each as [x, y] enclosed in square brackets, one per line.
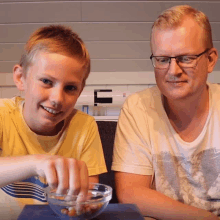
[145, 97]
[215, 92]
[214, 87]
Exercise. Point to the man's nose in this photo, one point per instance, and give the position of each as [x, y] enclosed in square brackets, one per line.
[174, 67]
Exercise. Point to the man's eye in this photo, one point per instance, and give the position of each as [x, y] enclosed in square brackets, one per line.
[71, 88]
[162, 59]
[46, 81]
[186, 59]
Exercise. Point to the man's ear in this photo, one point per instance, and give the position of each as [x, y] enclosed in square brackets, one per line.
[18, 77]
[212, 59]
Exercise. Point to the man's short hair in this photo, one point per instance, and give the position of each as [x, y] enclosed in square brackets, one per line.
[174, 16]
[56, 39]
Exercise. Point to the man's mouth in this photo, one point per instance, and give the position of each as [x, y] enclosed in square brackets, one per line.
[171, 81]
[52, 111]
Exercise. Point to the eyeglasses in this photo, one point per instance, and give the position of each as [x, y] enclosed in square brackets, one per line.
[184, 61]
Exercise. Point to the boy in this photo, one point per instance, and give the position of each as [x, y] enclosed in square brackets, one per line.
[42, 136]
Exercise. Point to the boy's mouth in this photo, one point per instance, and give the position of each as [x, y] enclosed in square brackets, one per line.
[52, 111]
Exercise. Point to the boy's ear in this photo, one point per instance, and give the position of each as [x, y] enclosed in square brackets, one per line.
[18, 77]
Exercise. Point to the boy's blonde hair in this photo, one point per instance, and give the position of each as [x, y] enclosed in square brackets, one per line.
[173, 18]
[56, 39]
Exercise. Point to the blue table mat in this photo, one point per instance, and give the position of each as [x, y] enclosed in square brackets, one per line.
[112, 211]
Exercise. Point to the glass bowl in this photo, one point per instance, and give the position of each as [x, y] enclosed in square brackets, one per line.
[71, 208]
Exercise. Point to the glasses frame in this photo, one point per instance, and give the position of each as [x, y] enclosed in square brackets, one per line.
[176, 58]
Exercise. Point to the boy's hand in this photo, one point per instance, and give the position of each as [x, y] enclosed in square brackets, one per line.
[63, 173]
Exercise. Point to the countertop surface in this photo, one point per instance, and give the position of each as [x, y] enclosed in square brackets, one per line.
[112, 211]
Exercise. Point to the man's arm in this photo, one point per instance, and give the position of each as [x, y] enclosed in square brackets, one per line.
[135, 188]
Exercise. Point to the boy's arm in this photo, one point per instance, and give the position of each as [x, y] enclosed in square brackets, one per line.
[94, 179]
[135, 188]
[60, 172]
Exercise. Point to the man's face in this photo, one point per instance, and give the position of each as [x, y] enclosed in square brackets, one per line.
[176, 82]
[52, 85]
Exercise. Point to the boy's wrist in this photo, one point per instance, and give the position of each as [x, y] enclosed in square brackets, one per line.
[33, 162]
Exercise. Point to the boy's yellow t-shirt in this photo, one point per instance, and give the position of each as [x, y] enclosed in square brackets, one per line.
[78, 139]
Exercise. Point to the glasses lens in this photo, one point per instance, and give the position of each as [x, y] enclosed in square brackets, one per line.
[182, 61]
[161, 62]
[186, 61]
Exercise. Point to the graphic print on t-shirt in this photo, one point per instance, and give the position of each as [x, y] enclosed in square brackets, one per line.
[30, 188]
[194, 181]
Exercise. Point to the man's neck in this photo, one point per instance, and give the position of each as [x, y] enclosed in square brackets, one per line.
[188, 116]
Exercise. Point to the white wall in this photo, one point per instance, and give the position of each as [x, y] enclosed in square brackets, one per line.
[116, 33]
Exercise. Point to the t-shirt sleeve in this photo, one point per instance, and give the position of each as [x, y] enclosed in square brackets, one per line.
[132, 153]
[92, 153]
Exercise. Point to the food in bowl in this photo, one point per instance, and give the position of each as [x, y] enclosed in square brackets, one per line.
[71, 208]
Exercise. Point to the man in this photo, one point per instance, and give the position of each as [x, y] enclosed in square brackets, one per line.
[169, 135]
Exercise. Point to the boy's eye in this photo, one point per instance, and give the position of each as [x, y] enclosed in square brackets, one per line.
[46, 81]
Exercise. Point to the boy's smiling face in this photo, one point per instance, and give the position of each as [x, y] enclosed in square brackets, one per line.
[52, 85]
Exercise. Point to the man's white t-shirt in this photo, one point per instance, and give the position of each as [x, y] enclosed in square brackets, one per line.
[147, 144]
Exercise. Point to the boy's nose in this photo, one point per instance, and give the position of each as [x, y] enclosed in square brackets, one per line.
[56, 97]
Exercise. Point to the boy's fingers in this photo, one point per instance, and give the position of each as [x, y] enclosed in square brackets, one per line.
[65, 174]
[84, 179]
[62, 169]
[74, 177]
[51, 174]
